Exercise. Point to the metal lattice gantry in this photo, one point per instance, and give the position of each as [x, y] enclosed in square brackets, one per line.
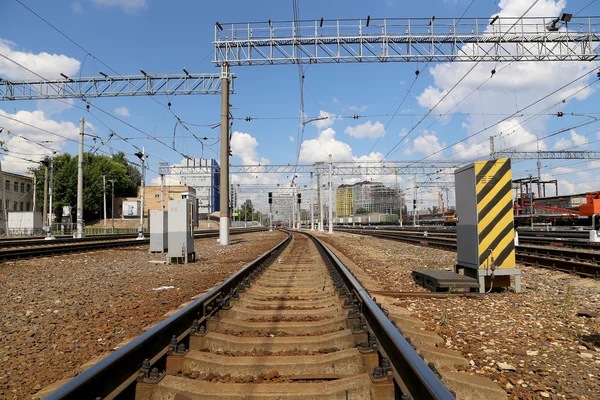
[407, 40]
[548, 155]
[341, 168]
[112, 86]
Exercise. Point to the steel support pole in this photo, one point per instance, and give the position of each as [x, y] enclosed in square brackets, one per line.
[224, 177]
[312, 220]
[399, 200]
[330, 195]
[34, 189]
[162, 192]
[416, 203]
[80, 233]
[104, 193]
[298, 203]
[112, 207]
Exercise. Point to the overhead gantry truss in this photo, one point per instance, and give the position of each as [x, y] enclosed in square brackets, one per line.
[548, 155]
[407, 40]
[341, 168]
[112, 86]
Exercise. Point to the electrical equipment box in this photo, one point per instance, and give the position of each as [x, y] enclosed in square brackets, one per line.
[24, 222]
[485, 229]
[181, 232]
[158, 231]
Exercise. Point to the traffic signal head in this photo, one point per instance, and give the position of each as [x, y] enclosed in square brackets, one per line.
[299, 198]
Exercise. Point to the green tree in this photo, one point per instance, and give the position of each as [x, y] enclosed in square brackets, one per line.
[362, 210]
[247, 212]
[127, 177]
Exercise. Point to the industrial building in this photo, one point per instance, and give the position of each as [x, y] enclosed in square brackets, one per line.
[205, 183]
[344, 203]
[129, 207]
[374, 197]
[17, 193]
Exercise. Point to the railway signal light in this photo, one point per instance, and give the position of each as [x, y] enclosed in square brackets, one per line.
[270, 197]
[414, 204]
[299, 198]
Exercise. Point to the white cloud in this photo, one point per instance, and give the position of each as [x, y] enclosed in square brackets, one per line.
[50, 107]
[366, 130]
[325, 123]
[514, 85]
[170, 180]
[577, 140]
[23, 150]
[77, 8]
[426, 143]
[335, 100]
[371, 157]
[513, 136]
[470, 151]
[318, 149]
[359, 109]
[47, 65]
[292, 139]
[129, 6]
[122, 111]
[243, 145]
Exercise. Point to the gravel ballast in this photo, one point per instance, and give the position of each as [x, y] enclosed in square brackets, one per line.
[58, 313]
[534, 344]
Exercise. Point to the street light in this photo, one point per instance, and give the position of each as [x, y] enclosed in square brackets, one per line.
[142, 156]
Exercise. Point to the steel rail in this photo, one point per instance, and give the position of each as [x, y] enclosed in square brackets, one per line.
[115, 373]
[581, 263]
[409, 367]
[49, 249]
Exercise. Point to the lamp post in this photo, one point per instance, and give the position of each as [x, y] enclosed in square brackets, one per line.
[142, 156]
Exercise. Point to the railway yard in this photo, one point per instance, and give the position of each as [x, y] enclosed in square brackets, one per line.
[64, 313]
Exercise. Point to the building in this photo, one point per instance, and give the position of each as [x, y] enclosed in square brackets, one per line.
[205, 181]
[282, 206]
[18, 192]
[374, 197]
[152, 199]
[344, 203]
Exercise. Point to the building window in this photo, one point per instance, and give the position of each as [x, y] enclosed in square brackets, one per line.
[156, 196]
[22, 187]
[7, 205]
[28, 187]
[21, 206]
[28, 206]
[15, 204]
[16, 187]
[7, 185]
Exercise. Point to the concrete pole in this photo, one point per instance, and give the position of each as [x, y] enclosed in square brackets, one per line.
[4, 210]
[312, 220]
[399, 200]
[112, 207]
[224, 177]
[143, 195]
[319, 202]
[49, 236]
[330, 195]
[416, 204]
[80, 233]
[104, 192]
[162, 192]
[46, 219]
[34, 189]
[299, 213]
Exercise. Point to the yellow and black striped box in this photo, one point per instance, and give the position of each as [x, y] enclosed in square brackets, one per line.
[484, 204]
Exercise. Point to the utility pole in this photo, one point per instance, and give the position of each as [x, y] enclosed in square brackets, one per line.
[142, 156]
[299, 213]
[4, 208]
[112, 207]
[312, 221]
[224, 176]
[415, 205]
[49, 235]
[319, 201]
[104, 192]
[80, 233]
[399, 200]
[34, 187]
[162, 192]
[330, 195]
[46, 218]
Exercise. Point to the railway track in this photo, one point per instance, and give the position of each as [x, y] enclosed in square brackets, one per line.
[47, 248]
[293, 324]
[586, 264]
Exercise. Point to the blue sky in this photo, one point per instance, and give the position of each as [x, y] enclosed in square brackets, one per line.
[160, 36]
